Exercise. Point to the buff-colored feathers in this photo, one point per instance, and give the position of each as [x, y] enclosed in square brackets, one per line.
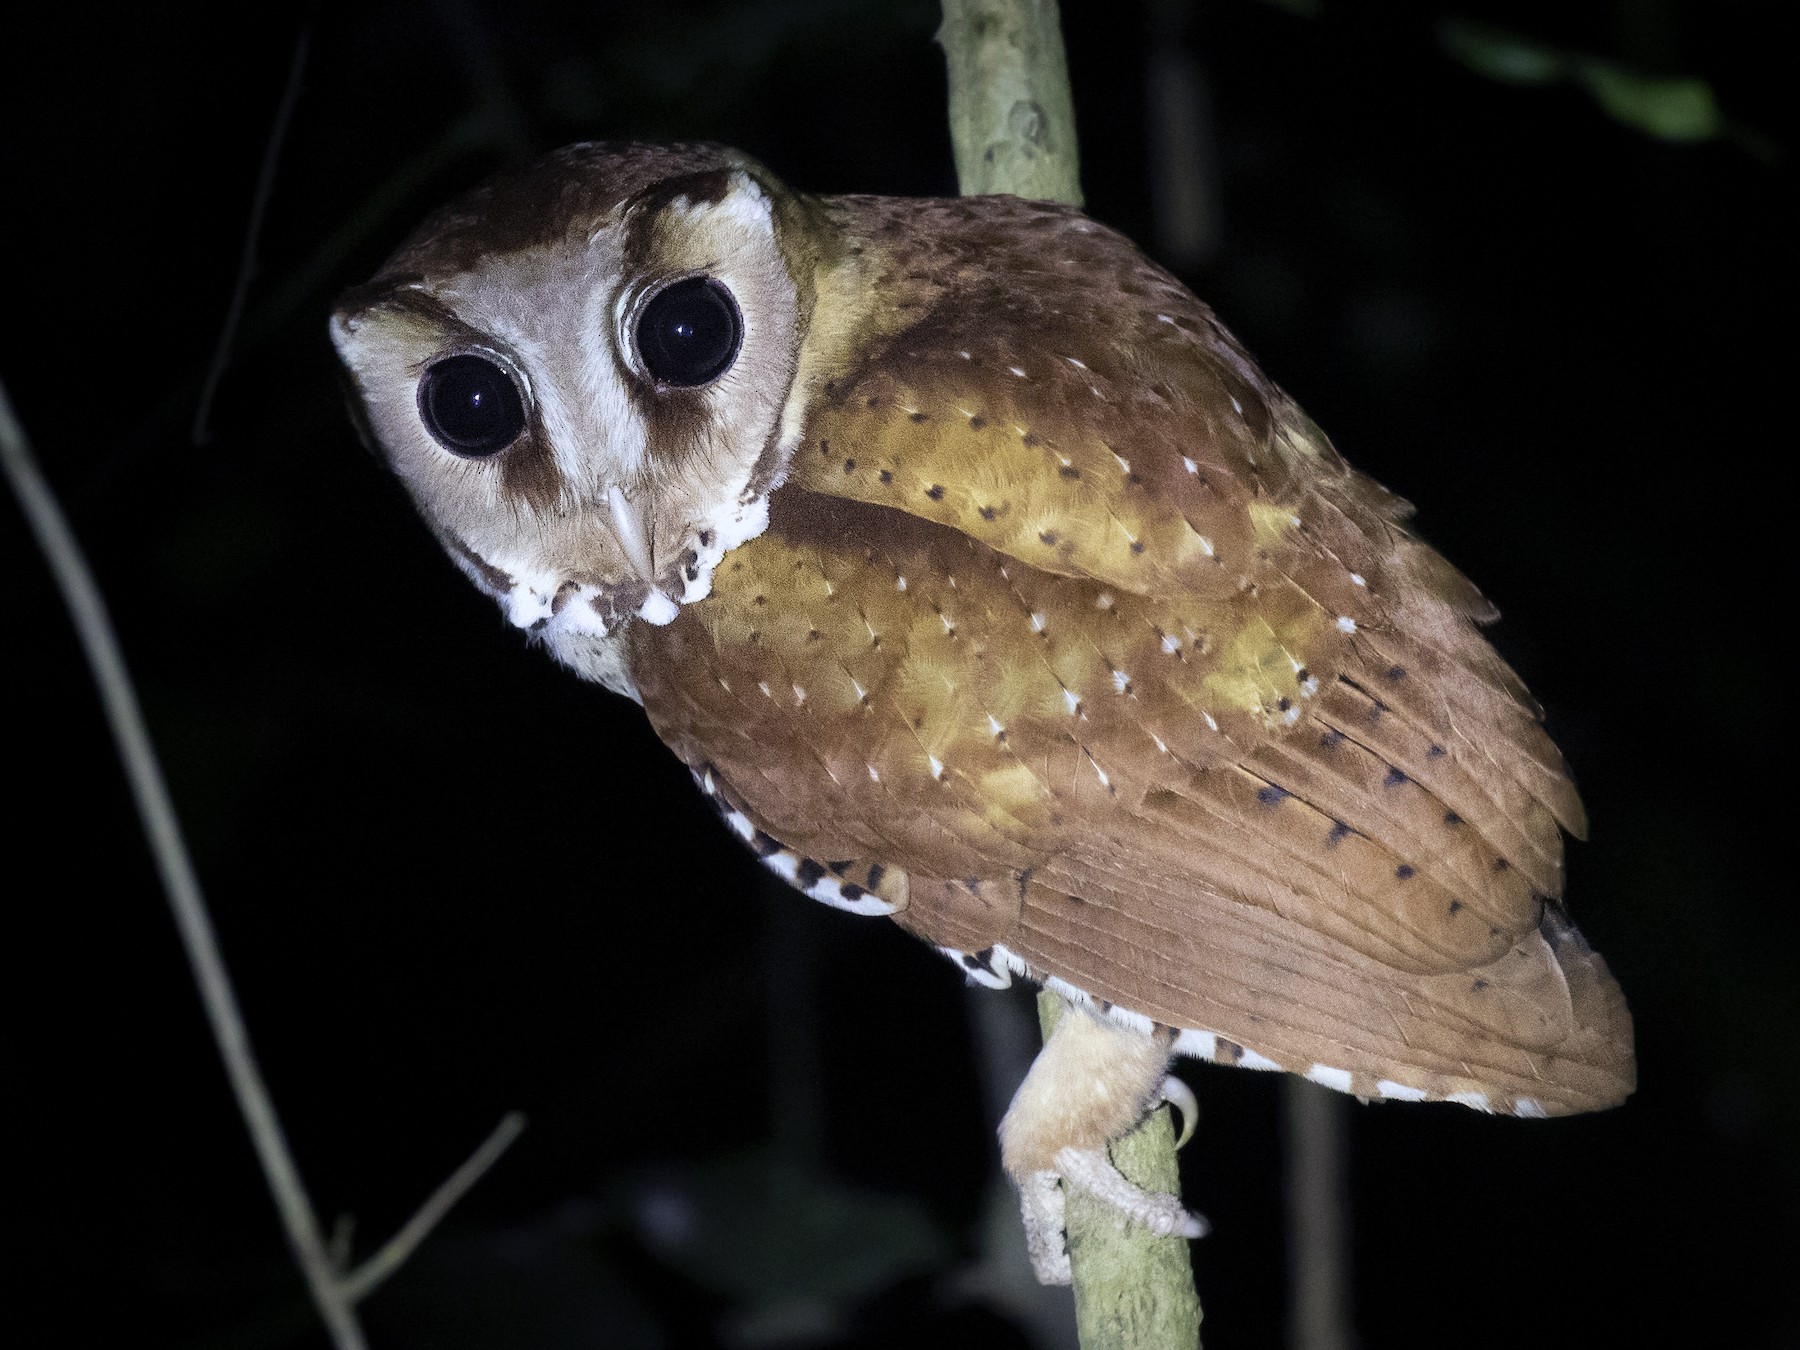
[1003, 593]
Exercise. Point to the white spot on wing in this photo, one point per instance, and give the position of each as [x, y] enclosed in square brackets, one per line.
[937, 766]
[1326, 1076]
[1199, 1044]
[1037, 623]
[1252, 1060]
[1171, 644]
[1121, 681]
[1389, 1090]
[1530, 1108]
[1478, 1100]
[1071, 702]
[1189, 465]
[1356, 579]
[1015, 370]
[1346, 624]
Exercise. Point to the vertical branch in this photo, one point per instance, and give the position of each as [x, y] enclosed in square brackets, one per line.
[1012, 119]
[1012, 127]
[1133, 1290]
[1317, 1210]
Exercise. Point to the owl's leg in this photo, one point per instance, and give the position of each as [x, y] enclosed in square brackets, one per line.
[1091, 1083]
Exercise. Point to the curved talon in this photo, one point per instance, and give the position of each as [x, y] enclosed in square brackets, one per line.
[1180, 1096]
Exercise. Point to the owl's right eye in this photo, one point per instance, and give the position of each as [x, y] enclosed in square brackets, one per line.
[471, 406]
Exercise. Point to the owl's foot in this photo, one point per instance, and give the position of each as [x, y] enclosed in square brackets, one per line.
[1042, 1203]
[1091, 1083]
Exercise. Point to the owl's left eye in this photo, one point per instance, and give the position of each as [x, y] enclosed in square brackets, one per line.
[470, 406]
[689, 333]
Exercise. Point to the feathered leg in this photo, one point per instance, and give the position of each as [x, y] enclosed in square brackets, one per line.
[1091, 1083]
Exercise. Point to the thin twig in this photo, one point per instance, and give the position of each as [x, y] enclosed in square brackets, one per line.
[359, 1283]
[163, 831]
[265, 189]
[334, 1294]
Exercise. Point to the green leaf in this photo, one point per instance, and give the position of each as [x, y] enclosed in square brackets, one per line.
[1500, 55]
[1669, 109]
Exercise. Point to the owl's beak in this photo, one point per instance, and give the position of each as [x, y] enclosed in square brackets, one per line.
[630, 527]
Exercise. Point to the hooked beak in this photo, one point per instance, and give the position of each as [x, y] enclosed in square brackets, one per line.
[629, 526]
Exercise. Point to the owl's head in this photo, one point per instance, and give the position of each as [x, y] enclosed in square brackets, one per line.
[582, 374]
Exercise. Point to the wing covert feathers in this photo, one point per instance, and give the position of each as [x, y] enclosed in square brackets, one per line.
[1070, 617]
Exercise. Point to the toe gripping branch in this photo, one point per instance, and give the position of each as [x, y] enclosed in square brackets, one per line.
[1091, 1084]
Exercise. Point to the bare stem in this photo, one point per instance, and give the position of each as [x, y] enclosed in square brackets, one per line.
[334, 1295]
[259, 205]
[1012, 119]
[1012, 127]
[359, 1283]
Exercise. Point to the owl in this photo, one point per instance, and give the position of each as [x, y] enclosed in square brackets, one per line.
[984, 583]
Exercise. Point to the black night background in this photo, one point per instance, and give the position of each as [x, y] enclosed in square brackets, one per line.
[1515, 278]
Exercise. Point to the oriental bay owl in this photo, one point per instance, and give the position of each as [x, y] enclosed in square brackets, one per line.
[984, 582]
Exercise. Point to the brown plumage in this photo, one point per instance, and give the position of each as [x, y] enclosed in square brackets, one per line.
[1065, 635]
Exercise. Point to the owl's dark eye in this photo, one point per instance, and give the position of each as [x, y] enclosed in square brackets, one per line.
[690, 333]
[470, 406]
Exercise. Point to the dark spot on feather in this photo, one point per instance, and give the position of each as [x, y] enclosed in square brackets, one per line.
[693, 574]
[1456, 906]
[1396, 672]
[1404, 872]
[921, 417]
[1283, 704]
[1271, 795]
[1028, 440]
[760, 600]
[849, 466]
[763, 845]
[1479, 984]
[1451, 818]
[1137, 545]
[885, 476]
[1227, 1052]
[972, 885]
[825, 446]
[841, 866]
[1106, 1005]
[1339, 833]
[812, 635]
[1301, 675]
[977, 423]
[874, 641]
[874, 402]
[1500, 864]
[1024, 881]
[986, 512]
[1394, 777]
[986, 957]
[1436, 752]
[809, 874]
[1330, 739]
[1069, 471]
[755, 635]
[851, 891]
[876, 872]
[935, 492]
[1048, 537]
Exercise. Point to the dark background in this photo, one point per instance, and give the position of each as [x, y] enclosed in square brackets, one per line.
[451, 881]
